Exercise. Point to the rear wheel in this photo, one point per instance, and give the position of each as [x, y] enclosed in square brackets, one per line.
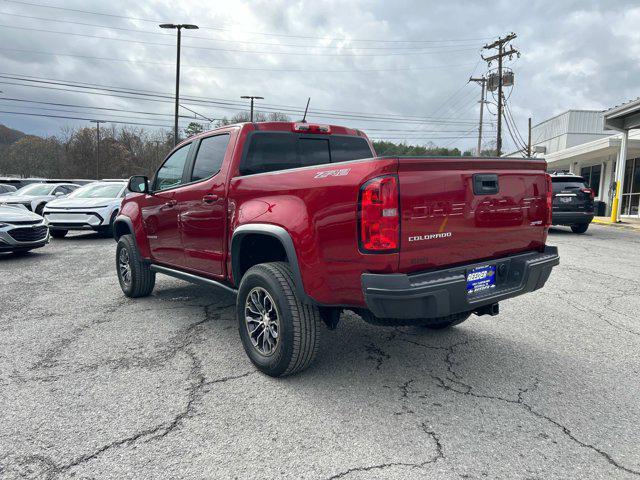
[58, 233]
[280, 334]
[135, 277]
[441, 323]
[580, 227]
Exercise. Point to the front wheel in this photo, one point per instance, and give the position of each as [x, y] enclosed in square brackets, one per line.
[280, 334]
[579, 228]
[135, 277]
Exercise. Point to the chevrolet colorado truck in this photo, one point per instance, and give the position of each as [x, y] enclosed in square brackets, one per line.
[301, 221]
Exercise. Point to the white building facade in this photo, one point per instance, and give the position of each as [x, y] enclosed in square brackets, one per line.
[577, 141]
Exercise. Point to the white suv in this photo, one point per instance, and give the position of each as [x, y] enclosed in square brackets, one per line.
[91, 207]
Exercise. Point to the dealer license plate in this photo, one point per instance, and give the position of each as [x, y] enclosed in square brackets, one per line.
[565, 199]
[481, 279]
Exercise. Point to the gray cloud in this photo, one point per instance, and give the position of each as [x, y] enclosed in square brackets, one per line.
[574, 55]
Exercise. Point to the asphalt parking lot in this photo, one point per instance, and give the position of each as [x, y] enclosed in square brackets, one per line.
[94, 385]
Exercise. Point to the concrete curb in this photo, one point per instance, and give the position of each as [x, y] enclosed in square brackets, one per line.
[609, 223]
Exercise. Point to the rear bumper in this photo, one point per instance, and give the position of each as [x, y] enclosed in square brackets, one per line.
[571, 218]
[444, 292]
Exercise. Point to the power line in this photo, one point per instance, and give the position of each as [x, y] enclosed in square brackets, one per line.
[88, 119]
[89, 107]
[230, 105]
[31, 78]
[227, 67]
[207, 27]
[440, 50]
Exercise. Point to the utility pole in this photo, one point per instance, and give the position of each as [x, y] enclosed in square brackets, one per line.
[500, 44]
[252, 99]
[482, 81]
[529, 140]
[98, 122]
[178, 27]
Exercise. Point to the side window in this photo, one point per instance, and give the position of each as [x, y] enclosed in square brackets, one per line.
[170, 173]
[314, 151]
[210, 156]
[269, 152]
[60, 189]
[344, 149]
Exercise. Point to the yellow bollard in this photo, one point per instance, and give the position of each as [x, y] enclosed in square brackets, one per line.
[614, 205]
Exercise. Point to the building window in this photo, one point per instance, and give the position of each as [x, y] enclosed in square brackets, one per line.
[631, 188]
[591, 176]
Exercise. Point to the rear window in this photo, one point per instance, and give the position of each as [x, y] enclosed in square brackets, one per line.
[269, 152]
[567, 183]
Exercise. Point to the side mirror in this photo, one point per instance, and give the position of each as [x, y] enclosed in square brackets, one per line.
[138, 184]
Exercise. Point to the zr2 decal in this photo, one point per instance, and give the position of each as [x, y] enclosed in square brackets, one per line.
[333, 173]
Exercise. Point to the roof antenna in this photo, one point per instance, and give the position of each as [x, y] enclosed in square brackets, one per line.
[304, 119]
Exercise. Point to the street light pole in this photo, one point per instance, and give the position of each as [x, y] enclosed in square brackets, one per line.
[178, 27]
[252, 99]
[98, 122]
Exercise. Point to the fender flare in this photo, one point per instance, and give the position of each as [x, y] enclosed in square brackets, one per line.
[127, 221]
[285, 239]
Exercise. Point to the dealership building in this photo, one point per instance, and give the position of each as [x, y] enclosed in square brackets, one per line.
[593, 144]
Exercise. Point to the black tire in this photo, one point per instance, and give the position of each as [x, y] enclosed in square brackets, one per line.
[298, 325]
[140, 279]
[579, 228]
[58, 233]
[107, 231]
[441, 323]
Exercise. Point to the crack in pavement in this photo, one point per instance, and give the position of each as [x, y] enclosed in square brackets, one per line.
[467, 389]
[381, 466]
[376, 354]
[196, 391]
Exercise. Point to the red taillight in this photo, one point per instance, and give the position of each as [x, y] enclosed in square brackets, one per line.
[379, 215]
[310, 128]
[549, 218]
[591, 193]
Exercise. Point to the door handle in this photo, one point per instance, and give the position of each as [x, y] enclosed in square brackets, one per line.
[210, 198]
[170, 203]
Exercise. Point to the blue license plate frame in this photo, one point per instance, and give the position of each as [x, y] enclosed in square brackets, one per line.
[481, 279]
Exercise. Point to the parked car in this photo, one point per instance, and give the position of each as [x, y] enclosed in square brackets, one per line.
[6, 188]
[21, 230]
[300, 222]
[91, 207]
[573, 204]
[36, 195]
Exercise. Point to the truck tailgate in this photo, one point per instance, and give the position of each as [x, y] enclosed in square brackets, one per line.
[463, 210]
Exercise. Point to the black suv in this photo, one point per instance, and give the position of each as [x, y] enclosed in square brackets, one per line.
[572, 201]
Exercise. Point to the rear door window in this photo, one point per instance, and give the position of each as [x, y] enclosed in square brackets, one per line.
[209, 157]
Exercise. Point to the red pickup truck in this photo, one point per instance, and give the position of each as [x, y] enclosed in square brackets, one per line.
[301, 221]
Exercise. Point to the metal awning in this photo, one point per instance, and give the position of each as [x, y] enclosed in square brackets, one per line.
[623, 117]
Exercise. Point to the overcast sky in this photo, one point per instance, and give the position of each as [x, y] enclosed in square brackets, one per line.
[393, 60]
